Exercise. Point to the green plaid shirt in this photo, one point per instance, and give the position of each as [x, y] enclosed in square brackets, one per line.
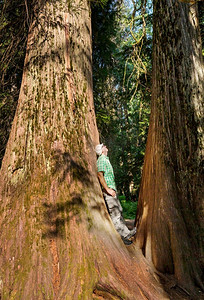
[104, 165]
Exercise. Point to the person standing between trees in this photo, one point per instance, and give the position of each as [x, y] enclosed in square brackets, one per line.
[107, 181]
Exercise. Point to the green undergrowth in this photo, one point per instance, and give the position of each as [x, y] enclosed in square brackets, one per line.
[129, 208]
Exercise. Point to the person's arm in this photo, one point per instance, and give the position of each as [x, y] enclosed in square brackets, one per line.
[104, 184]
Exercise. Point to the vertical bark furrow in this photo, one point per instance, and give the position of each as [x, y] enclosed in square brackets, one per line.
[170, 193]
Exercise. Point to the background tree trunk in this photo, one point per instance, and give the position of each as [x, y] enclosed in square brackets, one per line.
[57, 240]
[170, 212]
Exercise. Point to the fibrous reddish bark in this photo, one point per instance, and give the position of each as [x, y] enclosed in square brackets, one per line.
[170, 214]
[57, 240]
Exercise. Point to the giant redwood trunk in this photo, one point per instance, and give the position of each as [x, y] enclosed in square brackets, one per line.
[170, 214]
[57, 240]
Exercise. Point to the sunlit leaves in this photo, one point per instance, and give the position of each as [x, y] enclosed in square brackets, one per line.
[122, 79]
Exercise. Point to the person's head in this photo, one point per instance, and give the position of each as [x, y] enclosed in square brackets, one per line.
[104, 150]
[101, 149]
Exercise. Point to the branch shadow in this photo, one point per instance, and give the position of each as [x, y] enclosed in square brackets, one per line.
[57, 215]
[64, 164]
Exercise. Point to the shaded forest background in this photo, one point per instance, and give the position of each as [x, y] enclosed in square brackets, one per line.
[61, 200]
[122, 54]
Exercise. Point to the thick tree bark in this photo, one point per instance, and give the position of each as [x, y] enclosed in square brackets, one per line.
[57, 240]
[170, 215]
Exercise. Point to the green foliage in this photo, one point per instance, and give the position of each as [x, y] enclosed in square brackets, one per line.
[122, 46]
[129, 208]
